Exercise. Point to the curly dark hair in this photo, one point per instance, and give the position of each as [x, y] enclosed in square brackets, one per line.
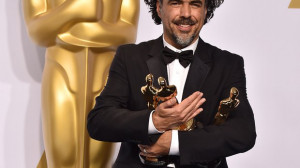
[211, 5]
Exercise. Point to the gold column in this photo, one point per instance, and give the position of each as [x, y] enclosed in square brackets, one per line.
[294, 4]
[81, 37]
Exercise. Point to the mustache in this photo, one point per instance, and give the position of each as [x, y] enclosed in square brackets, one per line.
[184, 21]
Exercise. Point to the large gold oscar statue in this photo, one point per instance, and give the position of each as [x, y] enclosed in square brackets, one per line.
[81, 37]
[294, 4]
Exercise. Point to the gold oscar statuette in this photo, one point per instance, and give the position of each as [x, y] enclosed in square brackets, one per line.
[226, 106]
[81, 37]
[149, 92]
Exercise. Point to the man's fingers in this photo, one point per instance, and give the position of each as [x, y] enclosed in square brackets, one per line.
[169, 103]
[176, 115]
[187, 101]
[192, 97]
[199, 103]
[147, 151]
[142, 147]
[189, 111]
[189, 105]
[163, 109]
[202, 100]
[198, 111]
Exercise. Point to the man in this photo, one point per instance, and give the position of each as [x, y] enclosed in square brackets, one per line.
[121, 114]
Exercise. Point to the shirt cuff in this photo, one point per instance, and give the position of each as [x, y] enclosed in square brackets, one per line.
[174, 148]
[151, 127]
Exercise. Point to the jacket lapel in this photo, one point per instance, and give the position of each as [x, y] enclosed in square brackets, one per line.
[155, 62]
[198, 70]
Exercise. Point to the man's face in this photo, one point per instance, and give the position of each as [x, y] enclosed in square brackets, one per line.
[182, 20]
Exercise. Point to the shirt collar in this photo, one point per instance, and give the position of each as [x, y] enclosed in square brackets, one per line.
[193, 46]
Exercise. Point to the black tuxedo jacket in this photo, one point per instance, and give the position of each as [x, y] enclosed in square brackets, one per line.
[121, 114]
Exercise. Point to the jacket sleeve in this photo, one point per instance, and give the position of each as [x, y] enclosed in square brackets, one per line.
[111, 120]
[236, 135]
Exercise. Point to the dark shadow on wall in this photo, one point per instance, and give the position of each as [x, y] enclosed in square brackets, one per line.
[27, 61]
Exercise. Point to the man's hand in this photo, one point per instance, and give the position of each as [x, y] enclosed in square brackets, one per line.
[160, 148]
[168, 116]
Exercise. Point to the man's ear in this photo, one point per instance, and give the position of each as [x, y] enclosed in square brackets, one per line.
[158, 7]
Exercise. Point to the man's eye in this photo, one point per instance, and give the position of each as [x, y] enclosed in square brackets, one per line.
[196, 4]
[174, 3]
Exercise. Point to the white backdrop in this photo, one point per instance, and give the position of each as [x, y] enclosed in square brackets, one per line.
[266, 33]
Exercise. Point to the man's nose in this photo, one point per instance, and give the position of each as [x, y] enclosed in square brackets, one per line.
[185, 10]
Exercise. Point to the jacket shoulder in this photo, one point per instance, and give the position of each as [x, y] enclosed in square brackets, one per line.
[221, 55]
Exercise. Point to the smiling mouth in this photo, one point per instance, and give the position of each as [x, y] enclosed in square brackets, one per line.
[184, 27]
[184, 24]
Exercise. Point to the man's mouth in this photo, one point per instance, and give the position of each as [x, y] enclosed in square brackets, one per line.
[184, 27]
[184, 24]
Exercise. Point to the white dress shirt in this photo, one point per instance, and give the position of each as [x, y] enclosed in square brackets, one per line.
[177, 75]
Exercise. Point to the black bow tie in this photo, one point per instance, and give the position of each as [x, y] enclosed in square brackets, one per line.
[185, 57]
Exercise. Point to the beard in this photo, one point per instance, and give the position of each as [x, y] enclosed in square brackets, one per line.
[184, 39]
